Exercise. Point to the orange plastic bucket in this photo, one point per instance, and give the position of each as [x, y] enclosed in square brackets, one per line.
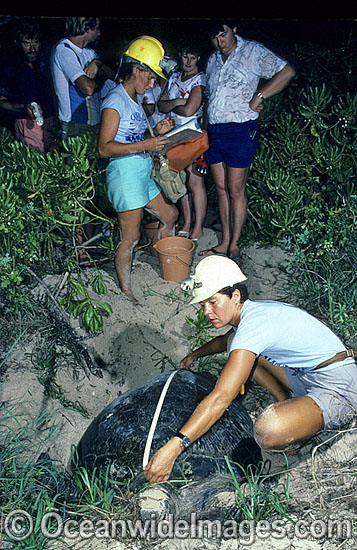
[175, 256]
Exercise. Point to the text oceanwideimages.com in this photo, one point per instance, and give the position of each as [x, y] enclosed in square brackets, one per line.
[19, 525]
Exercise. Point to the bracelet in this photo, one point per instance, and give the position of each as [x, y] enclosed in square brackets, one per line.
[259, 94]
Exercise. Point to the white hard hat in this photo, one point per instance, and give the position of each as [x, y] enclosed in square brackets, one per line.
[211, 275]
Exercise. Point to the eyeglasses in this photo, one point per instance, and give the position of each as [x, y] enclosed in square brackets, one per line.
[30, 43]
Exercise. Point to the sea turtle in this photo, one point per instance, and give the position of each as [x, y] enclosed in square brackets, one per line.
[118, 435]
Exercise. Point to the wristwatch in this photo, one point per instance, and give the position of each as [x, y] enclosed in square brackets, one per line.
[259, 94]
[185, 441]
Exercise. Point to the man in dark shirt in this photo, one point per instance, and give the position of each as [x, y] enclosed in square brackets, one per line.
[25, 79]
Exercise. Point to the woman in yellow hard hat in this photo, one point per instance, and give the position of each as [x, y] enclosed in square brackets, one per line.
[123, 137]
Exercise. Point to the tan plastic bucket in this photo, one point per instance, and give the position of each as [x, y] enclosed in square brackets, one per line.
[151, 233]
[175, 255]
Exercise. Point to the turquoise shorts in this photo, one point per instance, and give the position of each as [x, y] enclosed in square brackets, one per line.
[129, 183]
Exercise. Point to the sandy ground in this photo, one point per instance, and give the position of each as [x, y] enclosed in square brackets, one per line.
[136, 343]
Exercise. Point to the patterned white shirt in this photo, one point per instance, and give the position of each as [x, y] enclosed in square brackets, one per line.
[178, 88]
[231, 85]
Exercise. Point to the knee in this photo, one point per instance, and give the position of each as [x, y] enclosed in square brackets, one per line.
[268, 428]
[221, 188]
[238, 192]
[128, 241]
[171, 215]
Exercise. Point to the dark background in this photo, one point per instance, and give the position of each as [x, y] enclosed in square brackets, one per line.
[279, 34]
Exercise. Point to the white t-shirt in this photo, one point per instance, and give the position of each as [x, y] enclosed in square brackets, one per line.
[231, 85]
[68, 64]
[132, 123]
[285, 335]
[178, 88]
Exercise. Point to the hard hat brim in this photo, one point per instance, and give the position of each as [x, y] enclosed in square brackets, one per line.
[214, 273]
[158, 71]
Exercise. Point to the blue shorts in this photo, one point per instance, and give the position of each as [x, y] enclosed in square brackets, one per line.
[129, 183]
[232, 143]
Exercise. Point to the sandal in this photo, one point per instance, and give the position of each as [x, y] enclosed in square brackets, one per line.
[238, 259]
[214, 252]
[184, 234]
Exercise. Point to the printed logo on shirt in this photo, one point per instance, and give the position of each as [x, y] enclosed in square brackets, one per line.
[137, 116]
[134, 138]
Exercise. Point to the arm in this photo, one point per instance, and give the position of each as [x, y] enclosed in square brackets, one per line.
[87, 86]
[216, 345]
[205, 114]
[168, 105]
[107, 147]
[96, 67]
[89, 80]
[235, 373]
[149, 108]
[93, 80]
[273, 87]
[19, 109]
[10, 107]
[193, 102]
[180, 106]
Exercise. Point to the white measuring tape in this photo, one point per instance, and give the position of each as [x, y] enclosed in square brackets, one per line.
[156, 418]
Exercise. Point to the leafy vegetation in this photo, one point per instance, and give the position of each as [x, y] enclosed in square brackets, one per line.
[44, 199]
[301, 189]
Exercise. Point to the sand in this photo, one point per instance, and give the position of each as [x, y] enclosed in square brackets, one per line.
[139, 341]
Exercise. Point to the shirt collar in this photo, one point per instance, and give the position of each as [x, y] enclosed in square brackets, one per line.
[238, 46]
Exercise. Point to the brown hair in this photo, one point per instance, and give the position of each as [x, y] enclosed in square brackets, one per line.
[76, 26]
[228, 291]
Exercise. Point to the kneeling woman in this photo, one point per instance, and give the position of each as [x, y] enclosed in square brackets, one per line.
[122, 138]
[287, 351]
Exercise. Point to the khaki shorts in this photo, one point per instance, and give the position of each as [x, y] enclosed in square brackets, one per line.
[334, 391]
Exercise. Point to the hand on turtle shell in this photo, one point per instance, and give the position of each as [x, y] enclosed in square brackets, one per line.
[160, 465]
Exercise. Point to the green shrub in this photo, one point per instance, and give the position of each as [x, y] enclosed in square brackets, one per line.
[43, 199]
[301, 191]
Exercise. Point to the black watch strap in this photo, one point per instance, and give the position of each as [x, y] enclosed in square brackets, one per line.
[185, 441]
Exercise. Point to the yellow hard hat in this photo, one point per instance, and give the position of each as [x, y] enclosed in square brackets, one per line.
[149, 51]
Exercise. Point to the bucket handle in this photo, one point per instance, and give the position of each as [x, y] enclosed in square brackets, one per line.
[180, 260]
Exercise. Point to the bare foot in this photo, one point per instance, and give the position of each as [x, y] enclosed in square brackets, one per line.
[128, 293]
[214, 251]
[233, 253]
[235, 256]
[195, 236]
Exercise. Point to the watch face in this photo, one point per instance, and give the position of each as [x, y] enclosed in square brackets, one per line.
[185, 442]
